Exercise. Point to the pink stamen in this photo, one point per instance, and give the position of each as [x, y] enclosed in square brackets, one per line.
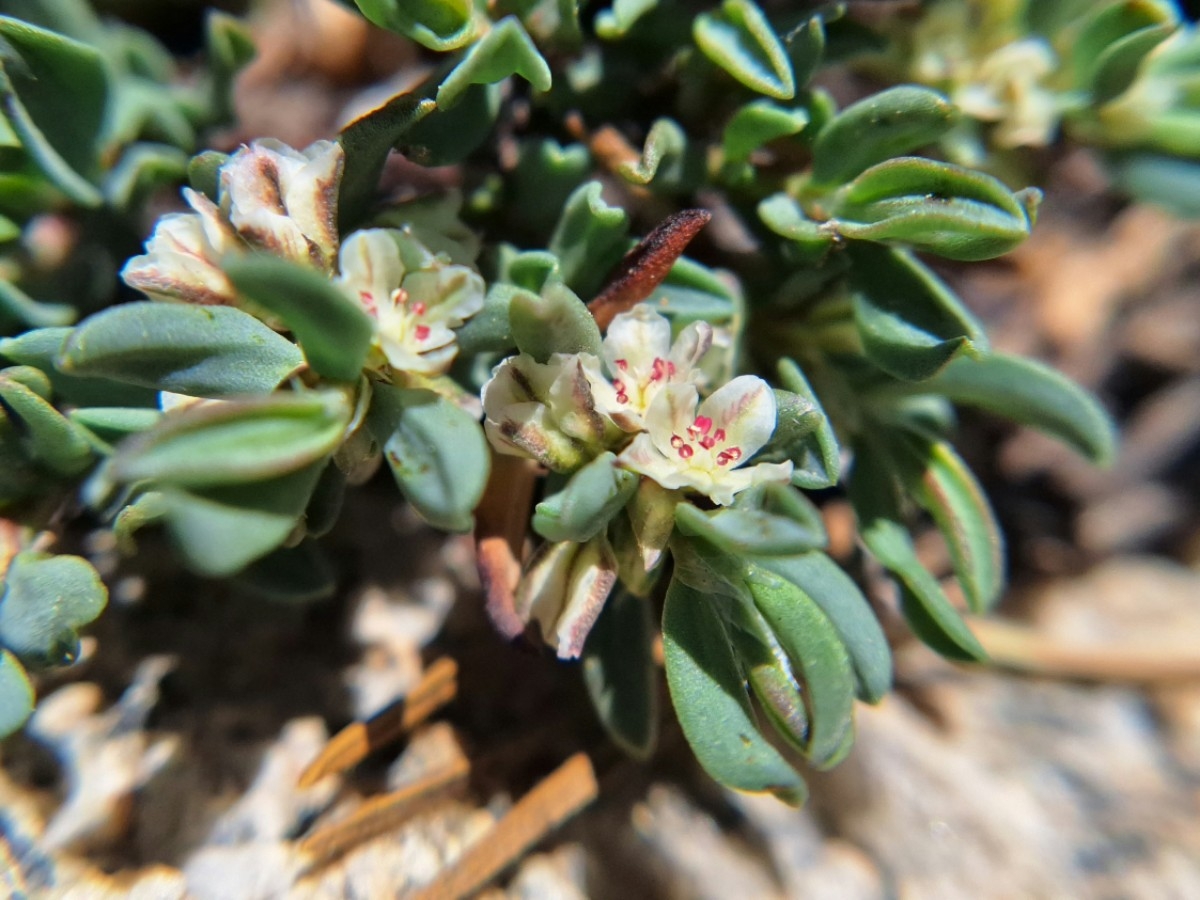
[622, 364]
[419, 309]
[422, 332]
[686, 451]
[670, 370]
[702, 425]
[725, 457]
[659, 370]
[367, 299]
[708, 442]
[719, 436]
[676, 441]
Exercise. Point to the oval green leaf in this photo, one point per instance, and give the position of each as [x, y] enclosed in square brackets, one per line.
[1033, 394]
[201, 351]
[740, 40]
[910, 323]
[333, 330]
[46, 600]
[887, 124]
[236, 442]
[594, 494]
[619, 672]
[709, 694]
[16, 695]
[436, 451]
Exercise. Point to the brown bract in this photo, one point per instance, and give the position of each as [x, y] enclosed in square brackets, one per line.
[646, 265]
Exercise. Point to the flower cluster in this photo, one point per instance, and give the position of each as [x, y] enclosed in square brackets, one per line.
[277, 200]
[643, 404]
[647, 409]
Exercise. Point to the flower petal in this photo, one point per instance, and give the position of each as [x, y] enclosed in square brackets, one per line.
[369, 268]
[634, 339]
[745, 409]
[671, 411]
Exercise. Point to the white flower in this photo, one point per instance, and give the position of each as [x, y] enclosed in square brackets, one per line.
[559, 412]
[704, 448]
[284, 200]
[272, 198]
[564, 590]
[183, 256]
[415, 312]
[1008, 88]
[641, 358]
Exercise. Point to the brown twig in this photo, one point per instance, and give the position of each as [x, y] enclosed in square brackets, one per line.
[1028, 650]
[354, 742]
[646, 265]
[560, 795]
[382, 814]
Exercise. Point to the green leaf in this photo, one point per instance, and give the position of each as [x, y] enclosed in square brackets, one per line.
[803, 433]
[848, 611]
[556, 321]
[229, 48]
[367, 141]
[1118, 66]
[16, 695]
[747, 532]
[46, 435]
[33, 378]
[201, 351]
[545, 176]
[299, 574]
[806, 47]
[18, 307]
[55, 94]
[593, 495]
[1108, 25]
[758, 123]
[768, 673]
[145, 509]
[204, 173]
[942, 484]
[333, 331]
[589, 239]
[437, 453]
[874, 492]
[40, 348]
[46, 600]
[664, 150]
[814, 647]
[505, 50]
[786, 218]
[447, 136]
[437, 24]
[934, 206]
[1032, 394]
[910, 323]
[142, 168]
[887, 124]
[113, 423]
[709, 695]
[619, 672]
[236, 442]
[220, 530]
[692, 293]
[740, 40]
[615, 22]
[1166, 181]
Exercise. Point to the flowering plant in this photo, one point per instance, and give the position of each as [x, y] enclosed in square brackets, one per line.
[622, 428]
